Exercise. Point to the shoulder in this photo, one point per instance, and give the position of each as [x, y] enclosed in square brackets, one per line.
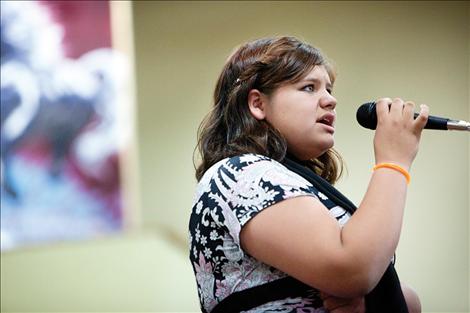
[251, 168]
[251, 178]
[241, 163]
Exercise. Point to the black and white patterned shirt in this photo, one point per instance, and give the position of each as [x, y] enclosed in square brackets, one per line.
[229, 194]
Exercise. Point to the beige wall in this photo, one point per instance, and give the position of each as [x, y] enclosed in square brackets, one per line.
[141, 272]
[417, 51]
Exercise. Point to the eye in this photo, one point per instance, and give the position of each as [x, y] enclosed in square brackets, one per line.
[330, 91]
[309, 88]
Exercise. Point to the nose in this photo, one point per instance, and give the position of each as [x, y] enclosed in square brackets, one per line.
[328, 101]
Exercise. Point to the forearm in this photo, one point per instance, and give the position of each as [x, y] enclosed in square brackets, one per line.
[371, 235]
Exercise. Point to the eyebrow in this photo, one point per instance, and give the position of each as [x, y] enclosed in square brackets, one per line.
[316, 80]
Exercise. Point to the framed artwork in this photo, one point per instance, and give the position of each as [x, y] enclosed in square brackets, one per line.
[63, 132]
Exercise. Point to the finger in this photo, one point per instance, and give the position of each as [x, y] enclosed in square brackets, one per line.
[324, 296]
[345, 309]
[381, 107]
[408, 110]
[422, 118]
[334, 303]
[355, 306]
[361, 308]
[396, 109]
[338, 305]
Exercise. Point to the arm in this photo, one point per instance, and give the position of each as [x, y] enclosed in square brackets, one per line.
[300, 237]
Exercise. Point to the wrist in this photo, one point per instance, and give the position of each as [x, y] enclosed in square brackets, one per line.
[395, 167]
[404, 164]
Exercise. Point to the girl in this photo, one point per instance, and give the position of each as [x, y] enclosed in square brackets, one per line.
[268, 232]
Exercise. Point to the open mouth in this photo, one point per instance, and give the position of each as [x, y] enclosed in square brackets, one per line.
[327, 119]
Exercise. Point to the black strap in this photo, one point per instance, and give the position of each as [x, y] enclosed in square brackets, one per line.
[253, 297]
[320, 184]
[387, 296]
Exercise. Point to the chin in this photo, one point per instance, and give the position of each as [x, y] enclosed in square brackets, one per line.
[323, 151]
[325, 146]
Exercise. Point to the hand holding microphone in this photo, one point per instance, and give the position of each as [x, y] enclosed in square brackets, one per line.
[398, 133]
[366, 116]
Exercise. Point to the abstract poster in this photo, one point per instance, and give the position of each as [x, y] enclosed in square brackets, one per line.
[61, 136]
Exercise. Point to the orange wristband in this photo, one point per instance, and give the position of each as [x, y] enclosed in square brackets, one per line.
[396, 168]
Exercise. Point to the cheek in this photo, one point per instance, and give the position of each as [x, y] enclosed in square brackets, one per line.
[293, 115]
[288, 121]
[279, 115]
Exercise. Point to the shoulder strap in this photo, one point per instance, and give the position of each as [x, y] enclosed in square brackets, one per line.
[252, 297]
[321, 184]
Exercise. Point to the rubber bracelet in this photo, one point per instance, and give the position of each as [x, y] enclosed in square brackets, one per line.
[396, 168]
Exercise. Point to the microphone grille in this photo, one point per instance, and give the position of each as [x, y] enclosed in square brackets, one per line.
[366, 115]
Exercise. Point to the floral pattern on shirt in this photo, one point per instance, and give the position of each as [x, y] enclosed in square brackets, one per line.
[229, 194]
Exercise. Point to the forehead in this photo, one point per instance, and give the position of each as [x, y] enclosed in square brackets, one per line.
[319, 73]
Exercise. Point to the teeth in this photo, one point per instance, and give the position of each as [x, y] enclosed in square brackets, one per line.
[326, 120]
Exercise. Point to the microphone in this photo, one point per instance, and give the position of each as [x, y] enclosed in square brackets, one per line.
[367, 117]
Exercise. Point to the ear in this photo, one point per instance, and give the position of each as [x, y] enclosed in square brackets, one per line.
[257, 104]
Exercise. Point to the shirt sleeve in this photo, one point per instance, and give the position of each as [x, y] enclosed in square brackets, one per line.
[252, 183]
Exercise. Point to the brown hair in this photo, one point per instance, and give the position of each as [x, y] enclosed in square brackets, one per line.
[229, 129]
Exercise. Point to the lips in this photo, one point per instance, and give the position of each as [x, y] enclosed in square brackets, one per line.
[327, 119]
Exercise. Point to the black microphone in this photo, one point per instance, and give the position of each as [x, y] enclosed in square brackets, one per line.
[367, 117]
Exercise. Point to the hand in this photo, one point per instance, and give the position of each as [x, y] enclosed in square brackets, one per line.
[342, 305]
[412, 300]
[398, 133]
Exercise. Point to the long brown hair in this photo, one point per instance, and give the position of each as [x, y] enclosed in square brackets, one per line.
[229, 129]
